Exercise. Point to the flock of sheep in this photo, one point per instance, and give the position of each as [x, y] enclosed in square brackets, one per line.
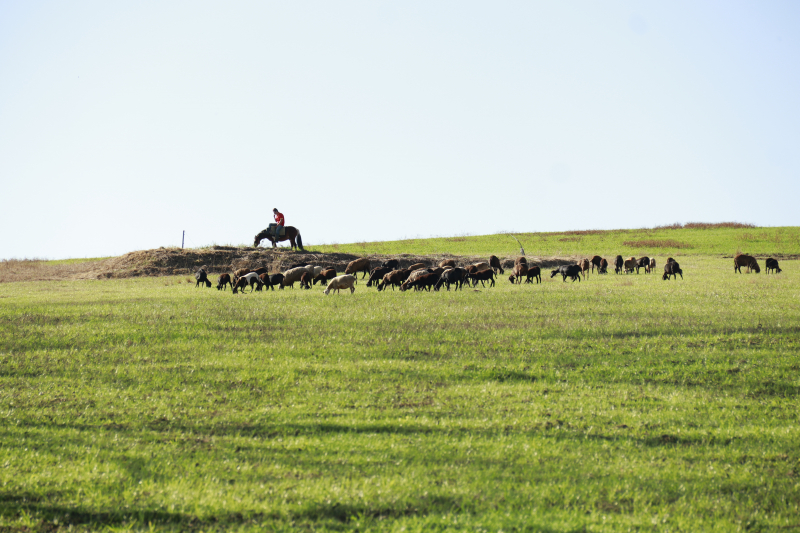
[420, 277]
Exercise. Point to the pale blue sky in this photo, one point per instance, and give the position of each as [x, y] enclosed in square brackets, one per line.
[124, 123]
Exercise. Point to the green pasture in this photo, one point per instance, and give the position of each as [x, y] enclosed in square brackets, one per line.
[619, 403]
[714, 241]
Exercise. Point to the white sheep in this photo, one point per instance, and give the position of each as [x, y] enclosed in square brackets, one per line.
[345, 281]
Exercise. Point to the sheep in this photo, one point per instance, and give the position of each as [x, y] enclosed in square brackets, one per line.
[294, 274]
[395, 278]
[345, 281]
[603, 269]
[251, 278]
[483, 275]
[377, 275]
[478, 267]
[519, 260]
[652, 264]
[359, 265]
[305, 281]
[391, 264]
[494, 262]
[630, 265]
[413, 277]
[520, 270]
[447, 263]
[534, 272]
[595, 261]
[772, 264]
[453, 276]
[572, 271]
[202, 277]
[224, 280]
[672, 268]
[324, 276]
[264, 277]
[424, 282]
[584, 264]
[618, 262]
[643, 262]
[745, 260]
[276, 280]
[416, 266]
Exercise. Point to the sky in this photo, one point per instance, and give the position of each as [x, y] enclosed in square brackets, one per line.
[124, 124]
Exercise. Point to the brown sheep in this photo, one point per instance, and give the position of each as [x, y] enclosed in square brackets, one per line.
[596, 260]
[224, 279]
[748, 261]
[359, 265]
[534, 272]
[630, 265]
[653, 264]
[520, 272]
[416, 266]
[494, 262]
[447, 263]
[377, 274]
[202, 278]
[584, 264]
[305, 281]
[395, 278]
[519, 260]
[324, 276]
[603, 268]
[266, 281]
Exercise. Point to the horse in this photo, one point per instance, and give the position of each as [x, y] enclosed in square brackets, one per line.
[292, 235]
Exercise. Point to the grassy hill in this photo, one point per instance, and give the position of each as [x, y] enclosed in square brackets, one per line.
[696, 239]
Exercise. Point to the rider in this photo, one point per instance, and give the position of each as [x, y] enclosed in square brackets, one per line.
[279, 222]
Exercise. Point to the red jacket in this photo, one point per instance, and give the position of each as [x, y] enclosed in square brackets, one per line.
[279, 218]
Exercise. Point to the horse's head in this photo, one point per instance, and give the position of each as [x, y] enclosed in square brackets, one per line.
[263, 234]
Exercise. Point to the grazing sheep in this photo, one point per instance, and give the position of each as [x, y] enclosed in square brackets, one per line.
[395, 278]
[241, 272]
[305, 281]
[571, 271]
[643, 262]
[478, 267]
[276, 280]
[202, 277]
[595, 261]
[423, 282]
[264, 277]
[748, 261]
[324, 276]
[359, 265]
[251, 278]
[672, 268]
[224, 280]
[377, 274]
[294, 274]
[391, 264]
[520, 271]
[584, 264]
[413, 277]
[534, 272]
[618, 262]
[447, 263]
[482, 275]
[630, 265]
[417, 266]
[772, 264]
[652, 264]
[519, 260]
[494, 262]
[259, 271]
[454, 276]
[603, 268]
[345, 281]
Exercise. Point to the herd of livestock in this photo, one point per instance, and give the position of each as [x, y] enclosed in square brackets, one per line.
[421, 277]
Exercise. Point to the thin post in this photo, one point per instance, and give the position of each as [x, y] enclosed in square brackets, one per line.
[183, 237]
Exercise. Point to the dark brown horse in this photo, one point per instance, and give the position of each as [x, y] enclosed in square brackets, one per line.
[292, 235]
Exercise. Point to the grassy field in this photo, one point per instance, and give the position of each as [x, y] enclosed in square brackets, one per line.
[711, 241]
[621, 403]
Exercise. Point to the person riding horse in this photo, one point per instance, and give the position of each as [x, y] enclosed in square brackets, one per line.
[279, 222]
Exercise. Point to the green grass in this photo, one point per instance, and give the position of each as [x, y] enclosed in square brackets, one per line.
[660, 242]
[615, 404]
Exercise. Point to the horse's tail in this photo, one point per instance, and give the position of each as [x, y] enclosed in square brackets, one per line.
[300, 241]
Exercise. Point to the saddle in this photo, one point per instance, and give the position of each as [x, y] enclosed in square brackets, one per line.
[271, 229]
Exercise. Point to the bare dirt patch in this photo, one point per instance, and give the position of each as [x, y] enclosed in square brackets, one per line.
[216, 260]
